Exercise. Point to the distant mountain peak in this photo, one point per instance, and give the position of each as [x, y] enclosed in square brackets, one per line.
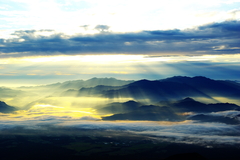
[201, 77]
[188, 99]
[2, 103]
[4, 108]
[188, 102]
[143, 81]
[131, 102]
[95, 78]
[186, 78]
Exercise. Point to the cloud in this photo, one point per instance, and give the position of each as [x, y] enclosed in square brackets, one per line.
[231, 113]
[215, 38]
[102, 28]
[184, 132]
[227, 28]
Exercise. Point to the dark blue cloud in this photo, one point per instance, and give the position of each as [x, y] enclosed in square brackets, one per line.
[213, 38]
[229, 27]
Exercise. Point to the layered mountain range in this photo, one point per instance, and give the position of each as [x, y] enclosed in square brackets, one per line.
[185, 109]
[165, 89]
[157, 100]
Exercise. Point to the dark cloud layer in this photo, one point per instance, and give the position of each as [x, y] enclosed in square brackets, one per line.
[213, 38]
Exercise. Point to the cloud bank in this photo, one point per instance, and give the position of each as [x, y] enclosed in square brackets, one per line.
[215, 38]
[183, 132]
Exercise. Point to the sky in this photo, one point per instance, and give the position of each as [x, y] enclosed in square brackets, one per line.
[48, 41]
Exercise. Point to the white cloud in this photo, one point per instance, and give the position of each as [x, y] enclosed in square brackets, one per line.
[121, 16]
[185, 132]
[230, 114]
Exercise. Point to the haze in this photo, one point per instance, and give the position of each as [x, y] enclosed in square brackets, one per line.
[167, 71]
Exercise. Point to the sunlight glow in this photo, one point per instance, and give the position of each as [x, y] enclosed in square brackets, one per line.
[134, 58]
[88, 58]
[46, 105]
[53, 68]
[50, 110]
[96, 59]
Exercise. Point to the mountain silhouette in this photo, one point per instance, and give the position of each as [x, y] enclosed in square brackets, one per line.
[172, 89]
[71, 88]
[114, 108]
[158, 90]
[148, 112]
[4, 108]
[91, 87]
[190, 105]
[132, 110]
[208, 86]
[91, 91]
[77, 84]
[155, 91]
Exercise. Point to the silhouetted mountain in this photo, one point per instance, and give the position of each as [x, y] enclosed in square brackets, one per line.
[72, 87]
[176, 88]
[216, 107]
[77, 84]
[214, 118]
[166, 89]
[117, 107]
[91, 87]
[153, 113]
[132, 110]
[93, 82]
[92, 91]
[98, 90]
[155, 91]
[208, 86]
[190, 105]
[4, 108]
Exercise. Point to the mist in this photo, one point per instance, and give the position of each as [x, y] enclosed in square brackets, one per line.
[119, 113]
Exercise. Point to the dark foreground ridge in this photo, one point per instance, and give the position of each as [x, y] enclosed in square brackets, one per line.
[85, 147]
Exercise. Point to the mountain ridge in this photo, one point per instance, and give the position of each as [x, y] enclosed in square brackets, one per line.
[4, 108]
[167, 89]
[171, 112]
[87, 83]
